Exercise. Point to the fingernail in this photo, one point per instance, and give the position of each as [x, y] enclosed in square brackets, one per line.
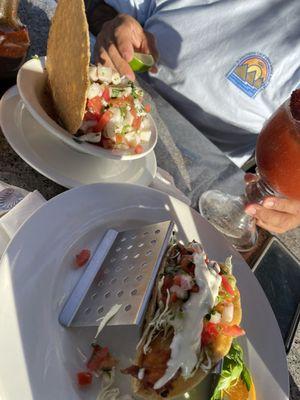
[269, 203]
[131, 77]
[127, 56]
[251, 210]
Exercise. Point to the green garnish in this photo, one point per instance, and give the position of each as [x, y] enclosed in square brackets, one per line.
[115, 92]
[246, 377]
[35, 57]
[123, 111]
[134, 92]
[125, 129]
[233, 369]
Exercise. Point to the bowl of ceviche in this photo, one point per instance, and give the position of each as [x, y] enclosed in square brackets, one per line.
[116, 121]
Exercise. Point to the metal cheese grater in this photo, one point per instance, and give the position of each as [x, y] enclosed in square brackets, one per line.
[122, 270]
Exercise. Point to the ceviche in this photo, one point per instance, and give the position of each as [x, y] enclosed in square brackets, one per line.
[115, 116]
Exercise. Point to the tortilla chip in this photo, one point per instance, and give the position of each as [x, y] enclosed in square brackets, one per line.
[68, 57]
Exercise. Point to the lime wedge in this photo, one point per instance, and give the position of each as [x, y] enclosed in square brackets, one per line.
[141, 62]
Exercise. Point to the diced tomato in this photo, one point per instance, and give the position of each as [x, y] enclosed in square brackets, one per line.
[119, 102]
[195, 288]
[138, 149]
[119, 138]
[98, 356]
[103, 120]
[173, 298]
[94, 105]
[147, 108]
[89, 116]
[106, 95]
[209, 333]
[137, 123]
[232, 330]
[83, 257]
[84, 378]
[168, 282]
[226, 285]
[177, 280]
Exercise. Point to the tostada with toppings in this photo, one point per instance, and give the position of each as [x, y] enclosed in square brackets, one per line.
[194, 314]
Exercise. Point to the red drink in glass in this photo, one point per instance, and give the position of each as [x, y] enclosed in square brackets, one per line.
[14, 39]
[278, 149]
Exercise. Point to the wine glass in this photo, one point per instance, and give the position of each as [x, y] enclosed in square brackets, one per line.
[277, 174]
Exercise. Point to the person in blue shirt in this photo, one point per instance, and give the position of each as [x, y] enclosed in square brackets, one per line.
[220, 65]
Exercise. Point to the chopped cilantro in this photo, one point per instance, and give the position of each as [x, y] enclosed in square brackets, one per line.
[123, 111]
[115, 92]
[133, 90]
[125, 129]
[134, 94]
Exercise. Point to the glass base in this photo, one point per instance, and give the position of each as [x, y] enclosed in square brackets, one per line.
[226, 213]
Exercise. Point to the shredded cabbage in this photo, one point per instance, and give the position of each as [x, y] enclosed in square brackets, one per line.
[104, 320]
[161, 320]
[107, 392]
[82, 355]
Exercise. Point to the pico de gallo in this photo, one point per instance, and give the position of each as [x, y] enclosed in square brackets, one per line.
[100, 361]
[115, 117]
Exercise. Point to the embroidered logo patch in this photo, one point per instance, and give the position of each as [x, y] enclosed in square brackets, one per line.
[251, 73]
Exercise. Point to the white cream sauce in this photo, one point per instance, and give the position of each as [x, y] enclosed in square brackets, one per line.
[186, 344]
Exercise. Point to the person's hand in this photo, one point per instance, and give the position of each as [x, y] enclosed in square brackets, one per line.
[117, 41]
[275, 214]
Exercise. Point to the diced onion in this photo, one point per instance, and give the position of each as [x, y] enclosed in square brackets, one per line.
[93, 73]
[94, 90]
[227, 315]
[145, 125]
[116, 79]
[215, 318]
[104, 74]
[145, 136]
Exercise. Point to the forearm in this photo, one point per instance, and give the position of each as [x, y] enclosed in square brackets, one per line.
[98, 12]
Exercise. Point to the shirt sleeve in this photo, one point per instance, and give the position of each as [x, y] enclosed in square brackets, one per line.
[141, 10]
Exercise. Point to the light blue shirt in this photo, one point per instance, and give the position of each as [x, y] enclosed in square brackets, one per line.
[226, 65]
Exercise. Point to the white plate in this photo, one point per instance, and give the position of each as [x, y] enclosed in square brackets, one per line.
[59, 162]
[31, 82]
[38, 357]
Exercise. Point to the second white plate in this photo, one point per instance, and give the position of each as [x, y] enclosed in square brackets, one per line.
[59, 162]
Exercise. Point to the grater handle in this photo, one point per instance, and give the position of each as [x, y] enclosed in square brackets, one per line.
[79, 292]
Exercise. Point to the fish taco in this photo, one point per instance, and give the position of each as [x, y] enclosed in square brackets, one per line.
[193, 316]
